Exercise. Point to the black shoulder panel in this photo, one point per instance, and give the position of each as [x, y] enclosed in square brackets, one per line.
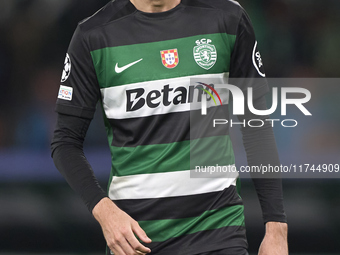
[232, 11]
[113, 10]
[229, 6]
[120, 23]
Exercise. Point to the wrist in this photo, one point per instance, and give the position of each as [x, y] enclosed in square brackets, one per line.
[277, 229]
[103, 207]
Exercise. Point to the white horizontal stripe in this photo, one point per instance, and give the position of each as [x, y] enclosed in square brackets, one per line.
[168, 184]
[115, 98]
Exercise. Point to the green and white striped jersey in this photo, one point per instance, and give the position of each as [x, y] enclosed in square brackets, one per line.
[141, 66]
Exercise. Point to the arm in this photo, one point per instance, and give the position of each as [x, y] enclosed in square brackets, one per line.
[261, 148]
[69, 158]
[246, 70]
[76, 104]
[67, 152]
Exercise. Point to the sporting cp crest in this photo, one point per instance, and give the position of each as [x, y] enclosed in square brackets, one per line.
[170, 58]
[205, 54]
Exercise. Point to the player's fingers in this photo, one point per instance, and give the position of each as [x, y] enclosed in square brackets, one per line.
[141, 253]
[125, 246]
[136, 245]
[140, 233]
[120, 246]
[116, 250]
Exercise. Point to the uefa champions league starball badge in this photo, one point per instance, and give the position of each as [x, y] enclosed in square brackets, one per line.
[67, 68]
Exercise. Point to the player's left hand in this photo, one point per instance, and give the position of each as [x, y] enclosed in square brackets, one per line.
[275, 239]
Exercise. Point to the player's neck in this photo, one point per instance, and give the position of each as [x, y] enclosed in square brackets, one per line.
[155, 5]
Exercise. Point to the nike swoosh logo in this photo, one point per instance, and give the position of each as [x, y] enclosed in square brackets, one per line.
[123, 68]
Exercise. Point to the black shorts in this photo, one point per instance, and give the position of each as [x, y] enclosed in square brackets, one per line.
[229, 251]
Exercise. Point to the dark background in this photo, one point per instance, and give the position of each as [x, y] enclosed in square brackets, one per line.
[39, 213]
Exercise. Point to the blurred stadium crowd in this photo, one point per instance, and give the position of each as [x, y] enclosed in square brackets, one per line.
[297, 38]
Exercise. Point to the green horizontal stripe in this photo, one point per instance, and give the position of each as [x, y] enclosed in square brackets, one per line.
[151, 67]
[177, 156]
[162, 230]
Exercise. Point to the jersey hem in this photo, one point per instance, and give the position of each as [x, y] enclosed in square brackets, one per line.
[212, 247]
[198, 249]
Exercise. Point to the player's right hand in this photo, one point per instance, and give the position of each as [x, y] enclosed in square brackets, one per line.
[119, 229]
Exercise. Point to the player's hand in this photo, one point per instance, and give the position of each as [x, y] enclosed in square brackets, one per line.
[119, 229]
[275, 239]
